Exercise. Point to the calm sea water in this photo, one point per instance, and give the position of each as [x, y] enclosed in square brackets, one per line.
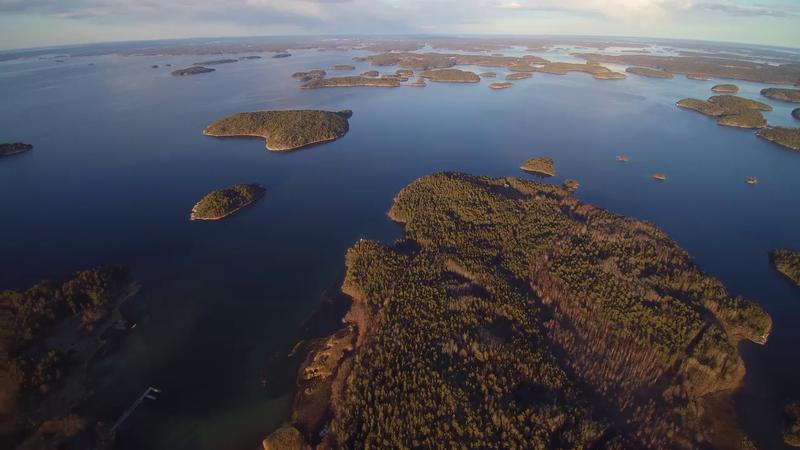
[119, 160]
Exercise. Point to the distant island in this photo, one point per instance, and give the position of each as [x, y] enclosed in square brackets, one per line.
[648, 72]
[487, 74]
[52, 333]
[699, 76]
[501, 85]
[784, 95]
[543, 166]
[725, 88]
[355, 81]
[450, 76]
[751, 180]
[571, 184]
[309, 75]
[194, 70]
[371, 73]
[284, 130]
[729, 110]
[282, 55]
[429, 61]
[524, 317]
[788, 263]
[786, 137]
[344, 67]
[659, 176]
[791, 429]
[222, 203]
[216, 62]
[596, 71]
[15, 148]
[518, 76]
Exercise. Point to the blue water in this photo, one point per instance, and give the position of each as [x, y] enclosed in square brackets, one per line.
[119, 160]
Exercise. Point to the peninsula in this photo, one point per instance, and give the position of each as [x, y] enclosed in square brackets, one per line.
[194, 70]
[783, 136]
[355, 81]
[729, 110]
[15, 148]
[519, 317]
[788, 263]
[784, 95]
[648, 72]
[219, 204]
[543, 166]
[450, 76]
[284, 130]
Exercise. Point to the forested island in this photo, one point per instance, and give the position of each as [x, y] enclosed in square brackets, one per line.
[216, 62]
[450, 76]
[729, 110]
[783, 136]
[788, 263]
[512, 315]
[699, 76]
[284, 130]
[501, 85]
[543, 166]
[725, 88]
[428, 61]
[219, 204]
[355, 81]
[791, 431]
[487, 74]
[518, 76]
[596, 71]
[648, 72]
[194, 70]
[344, 67]
[309, 75]
[49, 335]
[15, 148]
[784, 95]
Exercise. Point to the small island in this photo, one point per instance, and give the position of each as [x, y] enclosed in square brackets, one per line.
[501, 85]
[796, 113]
[659, 176]
[729, 110]
[216, 62]
[282, 55]
[725, 88]
[487, 74]
[222, 203]
[15, 148]
[540, 166]
[571, 184]
[518, 76]
[355, 81]
[344, 67]
[788, 263]
[698, 76]
[751, 180]
[784, 136]
[782, 94]
[284, 130]
[194, 70]
[791, 428]
[371, 74]
[245, 58]
[622, 158]
[315, 74]
[648, 72]
[450, 76]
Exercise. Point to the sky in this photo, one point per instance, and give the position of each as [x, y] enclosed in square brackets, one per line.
[38, 23]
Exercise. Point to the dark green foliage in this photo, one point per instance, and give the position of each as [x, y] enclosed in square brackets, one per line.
[284, 130]
[788, 263]
[224, 202]
[27, 315]
[521, 318]
[782, 94]
[784, 136]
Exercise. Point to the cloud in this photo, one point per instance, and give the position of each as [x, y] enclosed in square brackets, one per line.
[735, 9]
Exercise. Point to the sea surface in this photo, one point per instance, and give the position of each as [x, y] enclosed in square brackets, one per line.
[120, 159]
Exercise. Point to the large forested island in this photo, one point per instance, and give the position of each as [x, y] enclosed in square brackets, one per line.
[353, 81]
[284, 130]
[783, 136]
[597, 72]
[222, 203]
[450, 76]
[784, 95]
[49, 335]
[648, 72]
[14, 148]
[730, 110]
[512, 315]
[788, 263]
